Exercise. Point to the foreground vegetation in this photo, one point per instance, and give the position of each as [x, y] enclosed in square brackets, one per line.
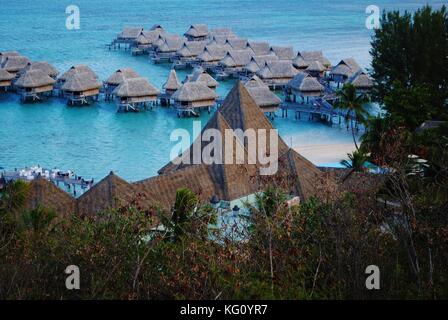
[314, 250]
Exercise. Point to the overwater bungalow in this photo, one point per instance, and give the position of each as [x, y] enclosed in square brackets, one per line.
[5, 79]
[166, 51]
[236, 44]
[316, 69]
[267, 100]
[146, 40]
[283, 53]
[255, 64]
[81, 88]
[135, 94]
[210, 56]
[344, 70]
[276, 74]
[304, 86]
[199, 75]
[5, 54]
[304, 58]
[197, 32]
[80, 68]
[44, 66]
[128, 36]
[186, 56]
[117, 78]
[361, 81]
[34, 84]
[233, 63]
[259, 48]
[193, 96]
[14, 64]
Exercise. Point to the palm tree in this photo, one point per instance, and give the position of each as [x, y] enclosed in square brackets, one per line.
[38, 219]
[355, 162]
[184, 206]
[13, 196]
[353, 103]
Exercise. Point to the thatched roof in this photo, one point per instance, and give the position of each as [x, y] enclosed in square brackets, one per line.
[171, 43]
[43, 66]
[197, 30]
[5, 75]
[315, 66]
[121, 75]
[192, 48]
[34, 79]
[136, 87]
[303, 82]
[258, 62]
[277, 69]
[236, 43]
[15, 63]
[156, 27]
[259, 48]
[346, 67]
[80, 68]
[236, 58]
[173, 81]
[194, 91]
[111, 192]
[130, 33]
[283, 53]
[222, 32]
[213, 53]
[150, 37]
[5, 54]
[202, 76]
[304, 58]
[79, 82]
[361, 80]
[261, 93]
[44, 193]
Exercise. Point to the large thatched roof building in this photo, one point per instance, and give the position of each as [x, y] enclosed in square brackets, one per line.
[33, 84]
[133, 94]
[267, 100]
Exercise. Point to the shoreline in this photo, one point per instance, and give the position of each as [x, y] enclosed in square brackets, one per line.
[325, 154]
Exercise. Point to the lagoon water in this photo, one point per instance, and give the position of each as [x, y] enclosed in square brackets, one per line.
[94, 140]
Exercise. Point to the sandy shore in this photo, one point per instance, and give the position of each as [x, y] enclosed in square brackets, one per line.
[325, 154]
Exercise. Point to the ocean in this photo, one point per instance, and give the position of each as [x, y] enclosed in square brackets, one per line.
[94, 140]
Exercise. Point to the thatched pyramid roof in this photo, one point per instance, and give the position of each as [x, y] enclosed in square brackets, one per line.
[111, 192]
[15, 63]
[43, 66]
[361, 80]
[5, 54]
[44, 193]
[79, 82]
[201, 76]
[194, 91]
[261, 93]
[34, 79]
[5, 75]
[305, 83]
[259, 48]
[283, 53]
[172, 83]
[346, 67]
[136, 87]
[121, 75]
[236, 43]
[197, 30]
[80, 68]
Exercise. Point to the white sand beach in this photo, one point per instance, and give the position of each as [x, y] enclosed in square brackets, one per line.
[326, 153]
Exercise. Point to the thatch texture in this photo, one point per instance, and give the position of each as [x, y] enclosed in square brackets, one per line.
[43, 66]
[130, 33]
[5, 75]
[304, 58]
[222, 32]
[45, 194]
[136, 87]
[80, 68]
[121, 75]
[236, 58]
[236, 43]
[346, 68]
[110, 193]
[283, 53]
[202, 76]
[34, 79]
[80, 82]
[280, 69]
[361, 80]
[194, 91]
[305, 83]
[259, 48]
[172, 83]
[171, 44]
[5, 54]
[258, 62]
[192, 49]
[197, 31]
[15, 63]
[261, 93]
[213, 53]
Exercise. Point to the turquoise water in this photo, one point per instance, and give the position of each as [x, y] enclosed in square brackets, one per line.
[94, 140]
